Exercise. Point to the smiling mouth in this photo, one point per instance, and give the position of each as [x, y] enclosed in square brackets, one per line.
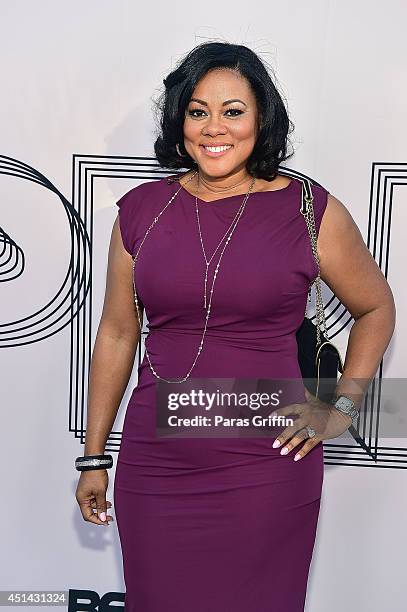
[216, 151]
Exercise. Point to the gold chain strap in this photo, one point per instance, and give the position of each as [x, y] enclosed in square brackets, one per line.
[308, 212]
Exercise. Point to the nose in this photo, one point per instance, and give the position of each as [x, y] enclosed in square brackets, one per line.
[214, 126]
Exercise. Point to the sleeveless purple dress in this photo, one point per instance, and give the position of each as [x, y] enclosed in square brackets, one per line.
[216, 524]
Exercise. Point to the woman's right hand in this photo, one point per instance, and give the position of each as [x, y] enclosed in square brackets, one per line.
[91, 495]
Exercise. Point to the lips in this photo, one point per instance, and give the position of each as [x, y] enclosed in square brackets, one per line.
[216, 153]
[217, 144]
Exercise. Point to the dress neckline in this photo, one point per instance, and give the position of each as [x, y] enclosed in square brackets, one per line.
[239, 195]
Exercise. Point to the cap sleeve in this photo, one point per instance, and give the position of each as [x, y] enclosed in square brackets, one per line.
[320, 204]
[127, 213]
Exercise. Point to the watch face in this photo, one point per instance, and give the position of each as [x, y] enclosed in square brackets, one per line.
[344, 403]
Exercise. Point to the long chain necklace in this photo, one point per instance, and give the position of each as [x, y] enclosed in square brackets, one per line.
[208, 261]
[208, 309]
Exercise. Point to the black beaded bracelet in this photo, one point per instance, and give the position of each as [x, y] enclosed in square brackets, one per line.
[93, 462]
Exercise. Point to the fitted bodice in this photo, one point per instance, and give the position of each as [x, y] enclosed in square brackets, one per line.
[260, 291]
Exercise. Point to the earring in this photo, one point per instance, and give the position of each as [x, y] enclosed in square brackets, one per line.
[193, 162]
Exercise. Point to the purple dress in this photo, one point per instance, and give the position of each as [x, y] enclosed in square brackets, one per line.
[216, 524]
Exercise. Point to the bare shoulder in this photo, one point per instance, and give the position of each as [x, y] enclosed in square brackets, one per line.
[347, 266]
[337, 222]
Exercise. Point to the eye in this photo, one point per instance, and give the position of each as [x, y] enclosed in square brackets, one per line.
[192, 112]
[235, 110]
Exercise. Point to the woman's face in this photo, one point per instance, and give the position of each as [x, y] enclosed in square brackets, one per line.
[222, 111]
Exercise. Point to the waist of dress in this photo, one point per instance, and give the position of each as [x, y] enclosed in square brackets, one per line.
[253, 340]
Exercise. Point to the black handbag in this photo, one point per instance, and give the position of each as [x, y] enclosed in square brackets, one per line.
[319, 359]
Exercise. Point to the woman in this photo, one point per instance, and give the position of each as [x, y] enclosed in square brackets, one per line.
[221, 524]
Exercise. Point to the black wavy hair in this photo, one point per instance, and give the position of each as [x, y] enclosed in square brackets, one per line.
[274, 124]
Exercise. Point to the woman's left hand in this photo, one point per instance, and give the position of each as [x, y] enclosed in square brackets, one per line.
[326, 420]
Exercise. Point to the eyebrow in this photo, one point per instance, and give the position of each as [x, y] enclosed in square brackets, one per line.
[223, 103]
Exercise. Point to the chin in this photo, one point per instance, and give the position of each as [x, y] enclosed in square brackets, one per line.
[218, 170]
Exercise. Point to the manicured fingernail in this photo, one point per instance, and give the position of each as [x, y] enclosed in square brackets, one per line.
[276, 443]
[284, 451]
[297, 456]
[102, 516]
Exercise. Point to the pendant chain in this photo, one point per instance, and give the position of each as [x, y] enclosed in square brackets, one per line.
[208, 261]
[207, 306]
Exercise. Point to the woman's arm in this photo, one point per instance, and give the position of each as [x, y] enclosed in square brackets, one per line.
[115, 347]
[350, 271]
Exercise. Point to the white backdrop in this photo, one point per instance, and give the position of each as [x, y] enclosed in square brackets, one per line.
[77, 80]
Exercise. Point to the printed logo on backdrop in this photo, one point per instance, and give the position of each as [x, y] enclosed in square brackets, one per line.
[72, 304]
[81, 599]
